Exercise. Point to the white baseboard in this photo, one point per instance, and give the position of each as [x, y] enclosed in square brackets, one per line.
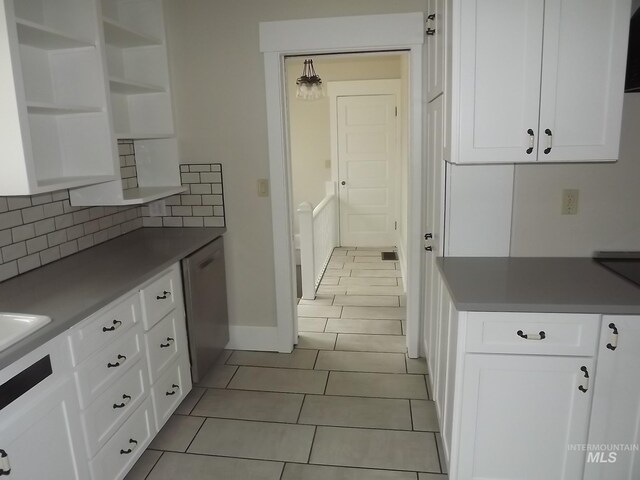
[243, 337]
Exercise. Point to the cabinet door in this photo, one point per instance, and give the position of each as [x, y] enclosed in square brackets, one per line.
[615, 419]
[583, 71]
[436, 38]
[500, 61]
[43, 441]
[519, 416]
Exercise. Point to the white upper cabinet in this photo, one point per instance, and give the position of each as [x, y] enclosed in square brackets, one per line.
[537, 80]
[53, 101]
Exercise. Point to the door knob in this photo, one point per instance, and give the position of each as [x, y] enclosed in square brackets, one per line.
[343, 183]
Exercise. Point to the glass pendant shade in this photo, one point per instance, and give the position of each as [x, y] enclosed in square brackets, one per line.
[309, 84]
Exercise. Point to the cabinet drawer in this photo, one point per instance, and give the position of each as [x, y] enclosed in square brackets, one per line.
[110, 409]
[101, 370]
[165, 342]
[161, 296]
[104, 327]
[125, 447]
[532, 333]
[170, 389]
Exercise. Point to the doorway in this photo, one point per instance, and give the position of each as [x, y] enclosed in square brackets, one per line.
[375, 32]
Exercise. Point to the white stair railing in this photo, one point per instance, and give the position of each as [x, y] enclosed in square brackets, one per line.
[318, 238]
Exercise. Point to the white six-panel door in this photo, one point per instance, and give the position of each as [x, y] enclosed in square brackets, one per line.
[367, 145]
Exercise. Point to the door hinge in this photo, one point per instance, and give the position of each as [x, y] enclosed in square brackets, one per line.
[396, 111]
[395, 225]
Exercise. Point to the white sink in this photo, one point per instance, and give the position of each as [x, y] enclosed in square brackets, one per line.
[15, 326]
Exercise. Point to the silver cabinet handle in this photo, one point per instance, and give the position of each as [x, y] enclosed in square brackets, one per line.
[549, 135]
[532, 336]
[613, 344]
[585, 382]
[532, 141]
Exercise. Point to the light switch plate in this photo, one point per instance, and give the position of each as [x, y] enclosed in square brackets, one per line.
[263, 187]
[570, 201]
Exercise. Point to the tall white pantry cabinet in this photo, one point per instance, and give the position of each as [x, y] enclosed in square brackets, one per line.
[508, 82]
[76, 76]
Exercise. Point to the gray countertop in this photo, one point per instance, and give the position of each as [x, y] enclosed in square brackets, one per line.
[561, 285]
[76, 287]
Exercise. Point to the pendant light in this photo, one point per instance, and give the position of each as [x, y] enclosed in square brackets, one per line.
[309, 84]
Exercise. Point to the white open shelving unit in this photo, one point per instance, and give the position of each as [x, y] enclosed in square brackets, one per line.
[56, 130]
[137, 75]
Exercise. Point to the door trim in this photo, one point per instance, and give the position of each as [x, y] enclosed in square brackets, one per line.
[363, 88]
[404, 31]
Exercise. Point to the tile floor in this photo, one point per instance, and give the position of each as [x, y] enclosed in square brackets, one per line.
[347, 404]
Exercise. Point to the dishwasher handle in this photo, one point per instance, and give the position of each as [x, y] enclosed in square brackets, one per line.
[209, 260]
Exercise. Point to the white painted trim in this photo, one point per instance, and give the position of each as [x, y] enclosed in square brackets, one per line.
[263, 339]
[342, 34]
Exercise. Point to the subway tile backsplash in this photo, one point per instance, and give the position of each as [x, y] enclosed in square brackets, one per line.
[202, 205]
[40, 229]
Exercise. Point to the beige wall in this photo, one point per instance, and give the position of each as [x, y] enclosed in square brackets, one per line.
[309, 122]
[220, 110]
[609, 202]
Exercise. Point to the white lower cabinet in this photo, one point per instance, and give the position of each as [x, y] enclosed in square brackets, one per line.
[170, 389]
[615, 418]
[519, 415]
[42, 440]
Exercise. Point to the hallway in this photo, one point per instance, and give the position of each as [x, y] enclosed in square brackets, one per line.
[347, 404]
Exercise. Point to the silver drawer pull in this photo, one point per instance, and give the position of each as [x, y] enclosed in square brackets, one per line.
[133, 444]
[168, 344]
[5, 466]
[164, 295]
[585, 383]
[532, 336]
[126, 398]
[174, 391]
[117, 364]
[613, 344]
[115, 324]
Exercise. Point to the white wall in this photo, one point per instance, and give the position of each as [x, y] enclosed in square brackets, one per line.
[309, 121]
[220, 110]
[609, 202]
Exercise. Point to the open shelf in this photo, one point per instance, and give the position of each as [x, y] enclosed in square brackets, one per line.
[69, 182]
[118, 35]
[135, 196]
[41, 108]
[142, 136]
[46, 38]
[128, 87]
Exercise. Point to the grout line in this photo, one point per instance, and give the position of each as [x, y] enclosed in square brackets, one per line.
[194, 437]
[313, 440]
[413, 428]
[316, 360]
[154, 463]
[304, 397]
[435, 440]
[232, 376]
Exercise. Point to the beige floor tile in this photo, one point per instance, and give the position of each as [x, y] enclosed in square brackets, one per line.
[367, 281]
[361, 362]
[311, 324]
[335, 264]
[257, 440]
[389, 449]
[319, 300]
[370, 259]
[365, 253]
[358, 325]
[425, 417]
[315, 340]
[279, 380]
[340, 251]
[222, 359]
[173, 466]
[336, 272]
[432, 476]
[331, 280]
[375, 273]
[381, 385]
[143, 466]
[443, 462]
[218, 376]
[177, 433]
[190, 401]
[295, 359]
[296, 471]
[369, 266]
[376, 249]
[356, 412]
[371, 343]
[319, 311]
[367, 300]
[388, 313]
[374, 290]
[332, 289]
[417, 365]
[247, 405]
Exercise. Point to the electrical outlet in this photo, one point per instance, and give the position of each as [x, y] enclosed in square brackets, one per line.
[570, 201]
[263, 187]
[158, 208]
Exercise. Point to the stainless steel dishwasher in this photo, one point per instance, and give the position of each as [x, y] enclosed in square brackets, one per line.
[205, 298]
